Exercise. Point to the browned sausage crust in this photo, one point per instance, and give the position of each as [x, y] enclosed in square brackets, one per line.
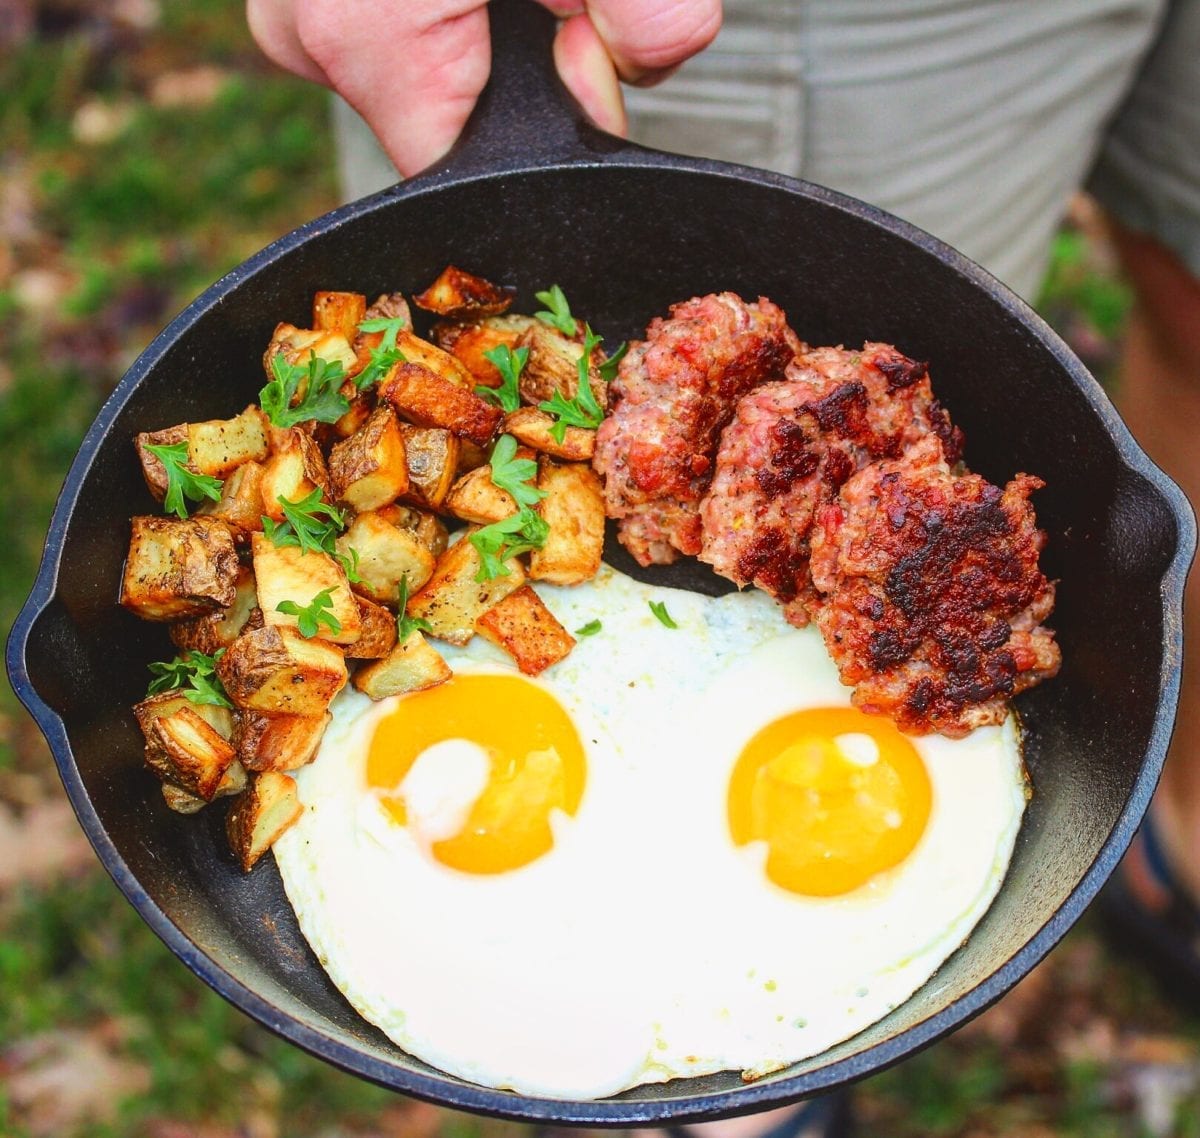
[789, 448]
[932, 600]
[672, 395]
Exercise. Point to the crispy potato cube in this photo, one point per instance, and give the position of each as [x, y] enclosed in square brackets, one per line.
[469, 343]
[241, 501]
[432, 456]
[267, 807]
[553, 365]
[288, 573]
[378, 631]
[412, 665]
[369, 469]
[293, 472]
[361, 406]
[153, 707]
[573, 508]
[233, 781]
[184, 749]
[452, 599]
[216, 630]
[532, 427]
[427, 528]
[463, 296]
[430, 400]
[179, 567]
[153, 470]
[277, 671]
[386, 553]
[299, 345]
[429, 356]
[476, 498]
[527, 630]
[339, 312]
[278, 742]
[470, 456]
[218, 446]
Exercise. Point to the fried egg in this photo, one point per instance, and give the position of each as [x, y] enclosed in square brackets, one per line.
[678, 851]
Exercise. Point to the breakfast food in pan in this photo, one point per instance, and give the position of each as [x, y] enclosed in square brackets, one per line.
[402, 657]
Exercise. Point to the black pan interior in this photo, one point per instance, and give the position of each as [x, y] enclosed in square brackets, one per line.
[624, 242]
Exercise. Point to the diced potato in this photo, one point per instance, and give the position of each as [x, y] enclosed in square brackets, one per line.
[179, 567]
[378, 631]
[267, 807]
[470, 456]
[469, 343]
[153, 707]
[184, 749]
[277, 671]
[553, 365]
[527, 630]
[288, 573]
[574, 510]
[241, 501]
[153, 470]
[476, 498]
[278, 742]
[452, 600]
[427, 528]
[423, 354]
[463, 296]
[369, 469]
[293, 472]
[532, 427]
[430, 400]
[233, 781]
[299, 345]
[339, 312]
[218, 446]
[216, 630]
[361, 406]
[386, 553]
[432, 456]
[412, 665]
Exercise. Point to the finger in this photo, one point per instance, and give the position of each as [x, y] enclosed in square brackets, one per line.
[412, 71]
[564, 9]
[648, 39]
[272, 24]
[588, 72]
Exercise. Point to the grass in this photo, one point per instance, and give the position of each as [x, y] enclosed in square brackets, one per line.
[108, 230]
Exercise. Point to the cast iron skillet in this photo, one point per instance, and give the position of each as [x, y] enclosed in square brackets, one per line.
[532, 196]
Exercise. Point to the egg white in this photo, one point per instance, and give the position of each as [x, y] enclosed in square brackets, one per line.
[644, 945]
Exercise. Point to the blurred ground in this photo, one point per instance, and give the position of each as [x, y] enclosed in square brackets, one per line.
[145, 148]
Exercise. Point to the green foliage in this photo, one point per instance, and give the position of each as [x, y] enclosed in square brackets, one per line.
[509, 364]
[195, 674]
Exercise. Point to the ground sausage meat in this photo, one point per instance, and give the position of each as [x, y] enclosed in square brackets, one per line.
[791, 446]
[931, 597]
[673, 394]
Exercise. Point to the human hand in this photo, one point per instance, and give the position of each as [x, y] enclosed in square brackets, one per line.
[414, 68]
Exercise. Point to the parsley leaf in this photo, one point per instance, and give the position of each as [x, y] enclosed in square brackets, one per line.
[321, 399]
[310, 617]
[495, 544]
[659, 608]
[509, 364]
[310, 523]
[589, 629]
[583, 410]
[406, 625]
[181, 482]
[514, 475]
[195, 674]
[559, 314]
[608, 369]
[384, 356]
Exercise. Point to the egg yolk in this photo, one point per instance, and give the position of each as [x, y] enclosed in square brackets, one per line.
[838, 796]
[536, 765]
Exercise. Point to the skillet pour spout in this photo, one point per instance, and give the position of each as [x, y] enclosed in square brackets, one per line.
[532, 195]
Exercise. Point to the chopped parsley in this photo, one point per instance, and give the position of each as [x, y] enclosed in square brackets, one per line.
[311, 616]
[514, 475]
[583, 410]
[321, 398]
[406, 625]
[502, 540]
[509, 364]
[385, 355]
[183, 483]
[659, 608]
[195, 674]
[589, 629]
[313, 525]
[557, 312]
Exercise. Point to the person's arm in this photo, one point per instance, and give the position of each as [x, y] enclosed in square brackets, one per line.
[414, 68]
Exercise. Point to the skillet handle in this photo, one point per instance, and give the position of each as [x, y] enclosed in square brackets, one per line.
[525, 116]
